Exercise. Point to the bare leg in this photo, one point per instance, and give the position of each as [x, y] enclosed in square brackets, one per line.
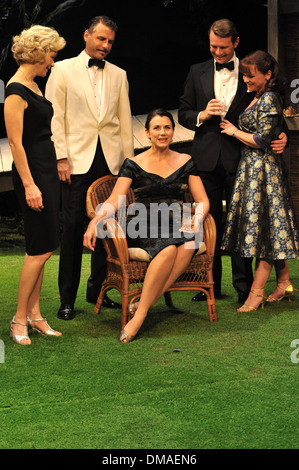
[256, 294]
[29, 277]
[182, 260]
[163, 270]
[282, 278]
[33, 309]
[183, 257]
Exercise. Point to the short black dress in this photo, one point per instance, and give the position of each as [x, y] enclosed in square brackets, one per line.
[149, 218]
[41, 228]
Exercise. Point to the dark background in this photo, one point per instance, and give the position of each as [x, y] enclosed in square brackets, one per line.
[155, 44]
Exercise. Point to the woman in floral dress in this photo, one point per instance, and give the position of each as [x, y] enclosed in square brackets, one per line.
[261, 221]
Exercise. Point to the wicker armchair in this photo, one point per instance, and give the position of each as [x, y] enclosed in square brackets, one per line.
[126, 268]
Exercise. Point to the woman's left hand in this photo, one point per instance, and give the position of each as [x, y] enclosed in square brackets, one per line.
[227, 127]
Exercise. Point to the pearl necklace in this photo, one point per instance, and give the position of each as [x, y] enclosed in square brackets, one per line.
[31, 82]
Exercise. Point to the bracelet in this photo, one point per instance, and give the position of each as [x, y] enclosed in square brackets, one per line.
[234, 132]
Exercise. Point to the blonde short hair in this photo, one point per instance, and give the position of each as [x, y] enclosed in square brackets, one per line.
[32, 44]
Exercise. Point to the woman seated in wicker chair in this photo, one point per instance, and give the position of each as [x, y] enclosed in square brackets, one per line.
[158, 175]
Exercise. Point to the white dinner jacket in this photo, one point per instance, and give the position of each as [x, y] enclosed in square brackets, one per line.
[76, 123]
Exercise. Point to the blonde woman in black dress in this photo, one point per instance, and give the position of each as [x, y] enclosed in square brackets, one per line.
[27, 118]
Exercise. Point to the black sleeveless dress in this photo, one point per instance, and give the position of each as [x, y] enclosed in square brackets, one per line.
[41, 228]
[146, 227]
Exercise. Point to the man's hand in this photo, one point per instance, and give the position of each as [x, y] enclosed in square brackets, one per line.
[214, 108]
[278, 146]
[64, 170]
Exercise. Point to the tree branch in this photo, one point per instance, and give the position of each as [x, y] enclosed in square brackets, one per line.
[66, 5]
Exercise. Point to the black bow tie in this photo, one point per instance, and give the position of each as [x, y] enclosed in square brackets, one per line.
[97, 62]
[229, 65]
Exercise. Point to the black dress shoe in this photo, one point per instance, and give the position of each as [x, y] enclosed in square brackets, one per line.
[91, 300]
[201, 296]
[108, 303]
[242, 296]
[66, 312]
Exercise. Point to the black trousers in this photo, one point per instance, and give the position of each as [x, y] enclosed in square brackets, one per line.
[75, 222]
[219, 183]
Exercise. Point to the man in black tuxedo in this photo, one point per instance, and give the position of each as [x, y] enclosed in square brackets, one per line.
[215, 89]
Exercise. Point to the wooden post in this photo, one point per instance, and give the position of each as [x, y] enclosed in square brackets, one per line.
[273, 29]
[287, 19]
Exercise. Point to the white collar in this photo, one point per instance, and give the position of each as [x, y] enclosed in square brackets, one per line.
[86, 58]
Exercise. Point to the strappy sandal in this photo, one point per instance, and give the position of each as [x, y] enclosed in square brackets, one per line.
[125, 336]
[19, 338]
[288, 292]
[132, 308]
[48, 332]
[259, 293]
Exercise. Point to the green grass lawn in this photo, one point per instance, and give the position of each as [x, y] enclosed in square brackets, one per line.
[231, 386]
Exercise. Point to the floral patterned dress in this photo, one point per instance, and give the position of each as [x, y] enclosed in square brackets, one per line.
[261, 222]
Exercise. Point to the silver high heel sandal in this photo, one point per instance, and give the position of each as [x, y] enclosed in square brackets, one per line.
[125, 336]
[132, 308]
[18, 338]
[49, 332]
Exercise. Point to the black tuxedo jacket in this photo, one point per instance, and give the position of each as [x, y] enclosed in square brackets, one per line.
[209, 144]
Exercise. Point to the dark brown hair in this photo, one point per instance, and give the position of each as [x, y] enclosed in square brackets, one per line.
[264, 62]
[104, 20]
[158, 112]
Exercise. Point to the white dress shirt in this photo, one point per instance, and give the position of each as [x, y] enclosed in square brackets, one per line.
[226, 83]
[225, 86]
[96, 80]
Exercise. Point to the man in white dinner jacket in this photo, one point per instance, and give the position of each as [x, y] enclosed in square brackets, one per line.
[92, 134]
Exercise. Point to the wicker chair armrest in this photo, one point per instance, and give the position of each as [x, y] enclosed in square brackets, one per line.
[209, 229]
[90, 211]
[98, 192]
[114, 234]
